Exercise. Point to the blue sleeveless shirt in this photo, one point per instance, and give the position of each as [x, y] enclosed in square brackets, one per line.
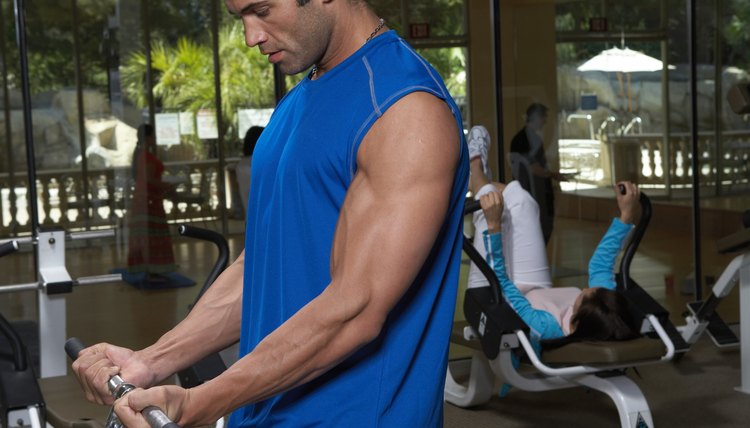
[302, 167]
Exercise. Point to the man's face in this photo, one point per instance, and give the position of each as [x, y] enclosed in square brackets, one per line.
[537, 121]
[294, 37]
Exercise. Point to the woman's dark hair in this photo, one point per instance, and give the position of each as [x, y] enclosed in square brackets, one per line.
[602, 316]
[145, 130]
[251, 137]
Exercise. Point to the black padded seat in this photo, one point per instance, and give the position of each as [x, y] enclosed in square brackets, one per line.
[605, 353]
[584, 353]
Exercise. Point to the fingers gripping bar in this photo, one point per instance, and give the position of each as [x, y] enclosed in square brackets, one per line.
[117, 387]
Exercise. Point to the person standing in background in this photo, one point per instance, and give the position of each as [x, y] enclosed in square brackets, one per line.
[149, 243]
[529, 144]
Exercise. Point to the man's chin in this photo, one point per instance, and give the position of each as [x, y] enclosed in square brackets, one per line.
[292, 70]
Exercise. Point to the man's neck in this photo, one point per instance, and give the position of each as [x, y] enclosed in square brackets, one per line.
[353, 28]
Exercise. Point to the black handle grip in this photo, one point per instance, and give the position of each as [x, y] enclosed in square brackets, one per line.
[8, 247]
[73, 347]
[221, 244]
[471, 205]
[621, 187]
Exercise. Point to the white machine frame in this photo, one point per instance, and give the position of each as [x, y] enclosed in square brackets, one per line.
[738, 270]
[54, 282]
[631, 404]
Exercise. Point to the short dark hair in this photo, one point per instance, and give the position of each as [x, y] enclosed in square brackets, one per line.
[251, 137]
[536, 109]
[145, 130]
[302, 2]
[604, 315]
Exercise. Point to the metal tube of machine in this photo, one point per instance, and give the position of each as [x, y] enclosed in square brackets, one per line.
[20, 14]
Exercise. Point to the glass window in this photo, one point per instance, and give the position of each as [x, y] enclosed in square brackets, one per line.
[577, 15]
[445, 17]
[451, 64]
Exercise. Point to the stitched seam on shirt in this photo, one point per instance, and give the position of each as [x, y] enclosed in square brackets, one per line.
[358, 138]
[424, 64]
[373, 98]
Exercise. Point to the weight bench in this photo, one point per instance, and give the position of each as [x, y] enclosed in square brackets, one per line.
[496, 335]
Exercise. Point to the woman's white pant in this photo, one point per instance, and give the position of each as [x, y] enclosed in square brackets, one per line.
[523, 241]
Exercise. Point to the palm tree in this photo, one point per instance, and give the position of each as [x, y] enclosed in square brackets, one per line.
[184, 76]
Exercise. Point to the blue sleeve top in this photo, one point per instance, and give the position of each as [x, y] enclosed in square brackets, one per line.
[542, 324]
[602, 263]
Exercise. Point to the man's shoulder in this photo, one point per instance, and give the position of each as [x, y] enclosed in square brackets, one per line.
[397, 62]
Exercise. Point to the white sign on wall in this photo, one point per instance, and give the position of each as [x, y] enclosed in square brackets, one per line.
[187, 123]
[207, 127]
[252, 117]
[167, 129]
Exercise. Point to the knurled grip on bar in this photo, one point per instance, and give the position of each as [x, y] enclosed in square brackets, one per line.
[155, 417]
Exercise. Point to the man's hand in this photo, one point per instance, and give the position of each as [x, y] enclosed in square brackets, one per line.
[170, 399]
[629, 203]
[492, 205]
[96, 364]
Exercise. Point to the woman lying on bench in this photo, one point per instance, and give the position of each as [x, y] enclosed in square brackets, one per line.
[510, 220]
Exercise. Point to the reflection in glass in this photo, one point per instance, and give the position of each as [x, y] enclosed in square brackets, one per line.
[450, 63]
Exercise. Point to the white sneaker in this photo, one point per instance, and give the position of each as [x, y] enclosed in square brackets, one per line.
[479, 146]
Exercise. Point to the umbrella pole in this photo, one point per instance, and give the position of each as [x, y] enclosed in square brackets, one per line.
[630, 94]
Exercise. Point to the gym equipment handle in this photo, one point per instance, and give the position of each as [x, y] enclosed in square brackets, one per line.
[155, 417]
[471, 205]
[98, 279]
[92, 234]
[86, 280]
[8, 248]
[221, 244]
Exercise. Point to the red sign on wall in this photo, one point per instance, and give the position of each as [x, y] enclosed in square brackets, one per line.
[419, 31]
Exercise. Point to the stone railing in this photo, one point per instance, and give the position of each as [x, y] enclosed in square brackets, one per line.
[726, 166]
[643, 158]
[63, 200]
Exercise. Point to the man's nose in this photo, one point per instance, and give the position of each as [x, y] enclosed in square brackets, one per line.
[254, 36]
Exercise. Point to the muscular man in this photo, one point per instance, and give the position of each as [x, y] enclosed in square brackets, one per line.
[343, 299]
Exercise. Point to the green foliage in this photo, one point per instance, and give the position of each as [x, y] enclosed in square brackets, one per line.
[737, 33]
[184, 76]
[451, 64]
[50, 29]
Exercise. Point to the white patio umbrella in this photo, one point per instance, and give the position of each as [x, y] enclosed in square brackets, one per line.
[622, 60]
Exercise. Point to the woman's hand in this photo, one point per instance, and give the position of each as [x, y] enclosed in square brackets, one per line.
[629, 203]
[492, 205]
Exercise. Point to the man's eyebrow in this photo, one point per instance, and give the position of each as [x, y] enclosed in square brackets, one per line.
[248, 7]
